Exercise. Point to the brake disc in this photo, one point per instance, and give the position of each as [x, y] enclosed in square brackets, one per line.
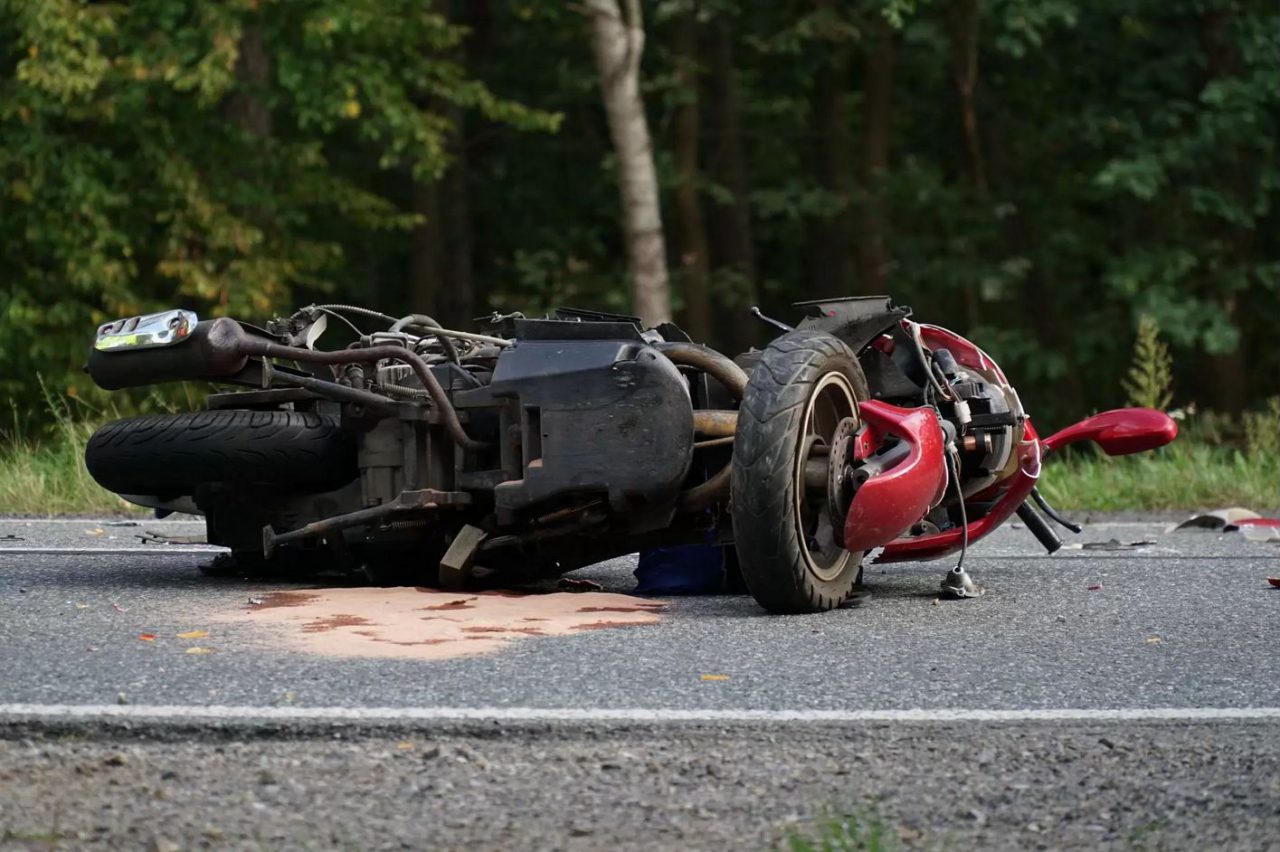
[838, 491]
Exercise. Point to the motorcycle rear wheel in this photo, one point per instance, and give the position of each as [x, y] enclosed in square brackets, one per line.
[171, 454]
[805, 383]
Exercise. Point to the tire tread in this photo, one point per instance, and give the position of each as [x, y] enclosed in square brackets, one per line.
[762, 486]
[173, 453]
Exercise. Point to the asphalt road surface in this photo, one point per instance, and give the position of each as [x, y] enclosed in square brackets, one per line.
[1109, 696]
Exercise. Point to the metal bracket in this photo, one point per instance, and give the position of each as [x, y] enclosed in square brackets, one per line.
[406, 501]
[456, 564]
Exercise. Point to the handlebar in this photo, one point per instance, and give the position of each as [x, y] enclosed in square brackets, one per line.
[1039, 527]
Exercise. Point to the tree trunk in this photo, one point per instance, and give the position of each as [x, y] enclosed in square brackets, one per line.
[618, 44]
[1226, 375]
[690, 232]
[1036, 303]
[456, 303]
[253, 72]
[248, 110]
[877, 91]
[963, 18]
[424, 255]
[731, 221]
[831, 245]
[442, 249]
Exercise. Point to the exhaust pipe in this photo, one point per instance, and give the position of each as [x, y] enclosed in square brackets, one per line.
[215, 350]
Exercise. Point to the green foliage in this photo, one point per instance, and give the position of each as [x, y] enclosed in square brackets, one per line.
[1131, 155]
[201, 153]
[1151, 376]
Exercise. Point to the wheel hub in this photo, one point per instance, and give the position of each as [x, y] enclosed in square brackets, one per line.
[831, 402]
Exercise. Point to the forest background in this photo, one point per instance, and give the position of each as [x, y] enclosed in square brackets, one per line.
[1041, 175]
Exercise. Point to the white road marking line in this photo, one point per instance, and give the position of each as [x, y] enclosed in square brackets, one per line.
[99, 522]
[213, 713]
[108, 551]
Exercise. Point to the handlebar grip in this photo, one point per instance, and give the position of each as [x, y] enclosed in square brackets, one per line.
[1039, 528]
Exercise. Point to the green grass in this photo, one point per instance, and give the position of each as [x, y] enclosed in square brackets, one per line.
[845, 833]
[1188, 474]
[47, 476]
[1216, 461]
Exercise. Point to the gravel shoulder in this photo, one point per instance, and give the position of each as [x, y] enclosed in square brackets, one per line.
[932, 786]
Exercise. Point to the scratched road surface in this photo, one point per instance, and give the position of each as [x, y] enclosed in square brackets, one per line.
[100, 630]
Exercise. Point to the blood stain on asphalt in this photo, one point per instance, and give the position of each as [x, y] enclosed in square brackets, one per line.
[335, 621]
[417, 623]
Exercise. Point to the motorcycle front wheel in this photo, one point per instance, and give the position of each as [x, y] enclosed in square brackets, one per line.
[805, 384]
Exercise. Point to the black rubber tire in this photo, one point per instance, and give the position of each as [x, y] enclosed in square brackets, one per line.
[765, 528]
[171, 454]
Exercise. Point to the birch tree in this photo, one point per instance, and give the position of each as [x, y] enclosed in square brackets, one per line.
[617, 41]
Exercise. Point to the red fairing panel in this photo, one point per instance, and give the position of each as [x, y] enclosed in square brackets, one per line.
[888, 504]
[964, 351]
[1018, 487]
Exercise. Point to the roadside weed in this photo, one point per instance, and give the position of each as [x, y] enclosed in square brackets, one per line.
[46, 475]
[849, 832]
[1150, 380]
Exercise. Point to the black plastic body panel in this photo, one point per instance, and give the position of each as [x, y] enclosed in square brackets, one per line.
[857, 320]
[597, 417]
[546, 329]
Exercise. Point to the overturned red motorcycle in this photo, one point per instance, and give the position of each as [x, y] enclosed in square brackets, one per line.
[439, 456]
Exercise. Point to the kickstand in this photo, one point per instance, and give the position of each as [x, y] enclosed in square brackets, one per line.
[958, 584]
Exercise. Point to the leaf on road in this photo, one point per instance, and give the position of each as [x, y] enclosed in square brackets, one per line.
[1116, 544]
[82, 606]
[1154, 640]
[193, 634]
[573, 584]
[404, 745]
[715, 677]
[148, 537]
[95, 532]
[196, 649]
[147, 637]
[1094, 587]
